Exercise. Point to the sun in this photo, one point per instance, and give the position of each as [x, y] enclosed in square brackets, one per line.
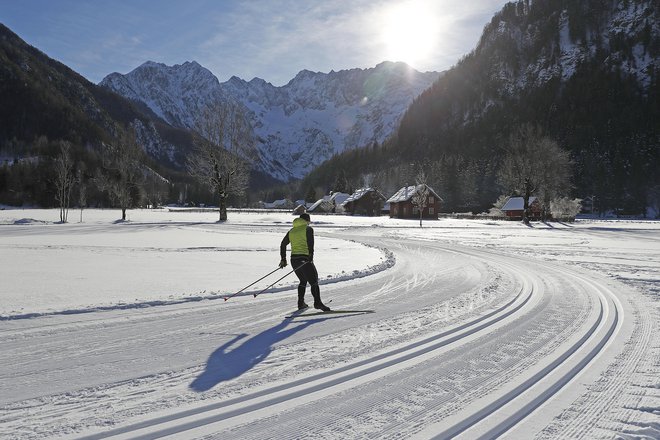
[409, 32]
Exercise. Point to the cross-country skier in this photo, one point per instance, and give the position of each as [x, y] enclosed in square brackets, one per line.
[301, 237]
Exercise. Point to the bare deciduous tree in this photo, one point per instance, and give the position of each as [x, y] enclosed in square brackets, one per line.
[421, 197]
[653, 200]
[82, 192]
[496, 210]
[225, 141]
[565, 208]
[535, 165]
[123, 177]
[157, 188]
[64, 179]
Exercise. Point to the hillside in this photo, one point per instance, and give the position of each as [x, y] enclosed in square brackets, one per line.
[585, 72]
[43, 97]
[45, 103]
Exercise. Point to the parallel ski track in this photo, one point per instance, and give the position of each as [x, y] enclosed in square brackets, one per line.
[177, 423]
[538, 389]
[518, 402]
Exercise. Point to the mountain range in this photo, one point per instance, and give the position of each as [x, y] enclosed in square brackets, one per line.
[297, 126]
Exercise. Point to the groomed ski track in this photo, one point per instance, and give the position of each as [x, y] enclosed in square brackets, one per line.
[465, 343]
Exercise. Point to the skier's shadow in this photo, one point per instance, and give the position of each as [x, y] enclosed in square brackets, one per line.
[226, 364]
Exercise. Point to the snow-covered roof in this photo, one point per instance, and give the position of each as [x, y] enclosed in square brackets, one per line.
[407, 192]
[321, 205]
[339, 197]
[357, 195]
[516, 203]
[282, 203]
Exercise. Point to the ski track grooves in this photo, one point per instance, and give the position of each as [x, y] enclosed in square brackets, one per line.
[327, 379]
[517, 402]
[548, 390]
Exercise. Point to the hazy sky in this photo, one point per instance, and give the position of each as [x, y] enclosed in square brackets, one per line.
[269, 39]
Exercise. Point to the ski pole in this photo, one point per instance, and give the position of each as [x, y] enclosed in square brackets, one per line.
[231, 296]
[259, 293]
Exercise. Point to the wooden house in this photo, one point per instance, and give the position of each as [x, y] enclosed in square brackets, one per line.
[513, 208]
[402, 206]
[323, 206]
[329, 203]
[364, 201]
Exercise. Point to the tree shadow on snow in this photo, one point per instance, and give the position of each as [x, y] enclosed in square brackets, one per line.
[227, 363]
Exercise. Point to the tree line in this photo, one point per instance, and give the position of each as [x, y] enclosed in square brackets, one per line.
[120, 174]
[530, 164]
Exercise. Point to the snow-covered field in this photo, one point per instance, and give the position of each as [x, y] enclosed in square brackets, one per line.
[468, 329]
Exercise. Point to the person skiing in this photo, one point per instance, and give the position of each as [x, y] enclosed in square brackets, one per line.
[301, 238]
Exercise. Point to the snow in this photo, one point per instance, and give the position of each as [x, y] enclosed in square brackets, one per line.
[64, 268]
[571, 53]
[119, 329]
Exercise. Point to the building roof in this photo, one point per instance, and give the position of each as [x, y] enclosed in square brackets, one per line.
[407, 192]
[321, 205]
[282, 203]
[357, 195]
[516, 203]
[339, 197]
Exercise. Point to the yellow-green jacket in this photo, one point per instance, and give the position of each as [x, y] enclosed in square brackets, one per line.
[301, 237]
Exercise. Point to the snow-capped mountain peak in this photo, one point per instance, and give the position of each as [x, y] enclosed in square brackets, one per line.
[298, 125]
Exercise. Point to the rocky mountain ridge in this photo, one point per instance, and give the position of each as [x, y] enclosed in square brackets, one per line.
[297, 126]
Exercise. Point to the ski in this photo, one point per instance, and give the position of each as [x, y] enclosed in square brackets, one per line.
[296, 313]
[302, 314]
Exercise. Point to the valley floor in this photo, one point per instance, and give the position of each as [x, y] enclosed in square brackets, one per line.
[462, 329]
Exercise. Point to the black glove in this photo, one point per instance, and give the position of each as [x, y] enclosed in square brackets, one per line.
[282, 263]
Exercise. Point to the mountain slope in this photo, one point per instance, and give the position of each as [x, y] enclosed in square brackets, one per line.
[299, 125]
[43, 97]
[585, 72]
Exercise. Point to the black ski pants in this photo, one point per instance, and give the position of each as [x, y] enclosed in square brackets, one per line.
[306, 273]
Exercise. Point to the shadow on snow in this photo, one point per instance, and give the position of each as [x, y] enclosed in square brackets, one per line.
[227, 363]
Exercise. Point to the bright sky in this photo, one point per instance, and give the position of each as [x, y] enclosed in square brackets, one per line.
[269, 39]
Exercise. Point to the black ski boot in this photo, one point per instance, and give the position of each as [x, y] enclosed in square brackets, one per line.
[301, 298]
[318, 304]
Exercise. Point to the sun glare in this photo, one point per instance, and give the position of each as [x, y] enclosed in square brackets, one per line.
[409, 32]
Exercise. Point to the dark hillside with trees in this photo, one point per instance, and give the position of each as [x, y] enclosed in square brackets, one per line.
[45, 103]
[591, 95]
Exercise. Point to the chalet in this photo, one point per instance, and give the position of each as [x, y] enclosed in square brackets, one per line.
[278, 204]
[322, 206]
[328, 203]
[513, 208]
[402, 206]
[337, 199]
[364, 201]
